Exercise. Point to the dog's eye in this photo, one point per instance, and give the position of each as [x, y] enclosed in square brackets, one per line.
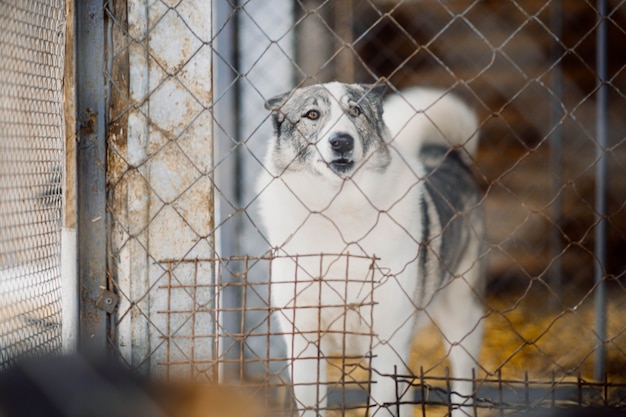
[312, 114]
[354, 111]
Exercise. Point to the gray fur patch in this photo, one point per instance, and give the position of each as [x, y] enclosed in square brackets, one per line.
[453, 191]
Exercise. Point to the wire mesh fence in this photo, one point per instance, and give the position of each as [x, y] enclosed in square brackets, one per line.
[191, 258]
[32, 48]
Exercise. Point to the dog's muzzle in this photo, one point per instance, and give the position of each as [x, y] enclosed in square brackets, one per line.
[342, 145]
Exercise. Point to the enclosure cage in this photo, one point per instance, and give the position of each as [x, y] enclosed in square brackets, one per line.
[134, 133]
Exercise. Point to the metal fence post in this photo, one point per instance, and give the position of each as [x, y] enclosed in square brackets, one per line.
[91, 155]
[601, 184]
[556, 152]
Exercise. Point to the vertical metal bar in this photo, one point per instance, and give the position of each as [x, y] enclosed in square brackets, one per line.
[500, 394]
[556, 150]
[601, 182]
[90, 82]
[422, 388]
[226, 132]
[168, 321]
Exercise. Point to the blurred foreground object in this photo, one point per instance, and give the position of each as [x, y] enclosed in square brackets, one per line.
[71, 386]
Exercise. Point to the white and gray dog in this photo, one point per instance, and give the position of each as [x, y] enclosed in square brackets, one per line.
[377, 230]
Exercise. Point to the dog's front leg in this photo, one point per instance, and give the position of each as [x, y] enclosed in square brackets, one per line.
[389, 390]
[308, 374]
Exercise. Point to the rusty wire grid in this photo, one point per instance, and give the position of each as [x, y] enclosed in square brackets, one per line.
[32, 38]
[188, 130]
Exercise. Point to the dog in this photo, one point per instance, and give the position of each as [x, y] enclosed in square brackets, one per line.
[376, 228]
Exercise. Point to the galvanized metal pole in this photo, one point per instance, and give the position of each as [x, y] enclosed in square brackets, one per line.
[225, 93]
[91, 162]
[556, 153]
[601, 184]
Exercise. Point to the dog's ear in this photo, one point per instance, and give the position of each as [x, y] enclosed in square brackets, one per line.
[374, 90]
[274, 104]
[377, 90]
[375, 94]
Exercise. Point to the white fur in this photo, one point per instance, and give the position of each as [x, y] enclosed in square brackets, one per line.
[337, 304]
[426, 115]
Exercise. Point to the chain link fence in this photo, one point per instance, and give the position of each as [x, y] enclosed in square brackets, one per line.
[188, 133]
[32, 158]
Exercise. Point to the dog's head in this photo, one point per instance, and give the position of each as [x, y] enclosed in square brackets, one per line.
[329, 129]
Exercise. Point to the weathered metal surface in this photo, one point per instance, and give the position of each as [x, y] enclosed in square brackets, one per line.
[107, 300]
[91, 154]
[161, 166]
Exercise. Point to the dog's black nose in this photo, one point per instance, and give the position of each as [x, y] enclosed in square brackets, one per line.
[342, 143]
